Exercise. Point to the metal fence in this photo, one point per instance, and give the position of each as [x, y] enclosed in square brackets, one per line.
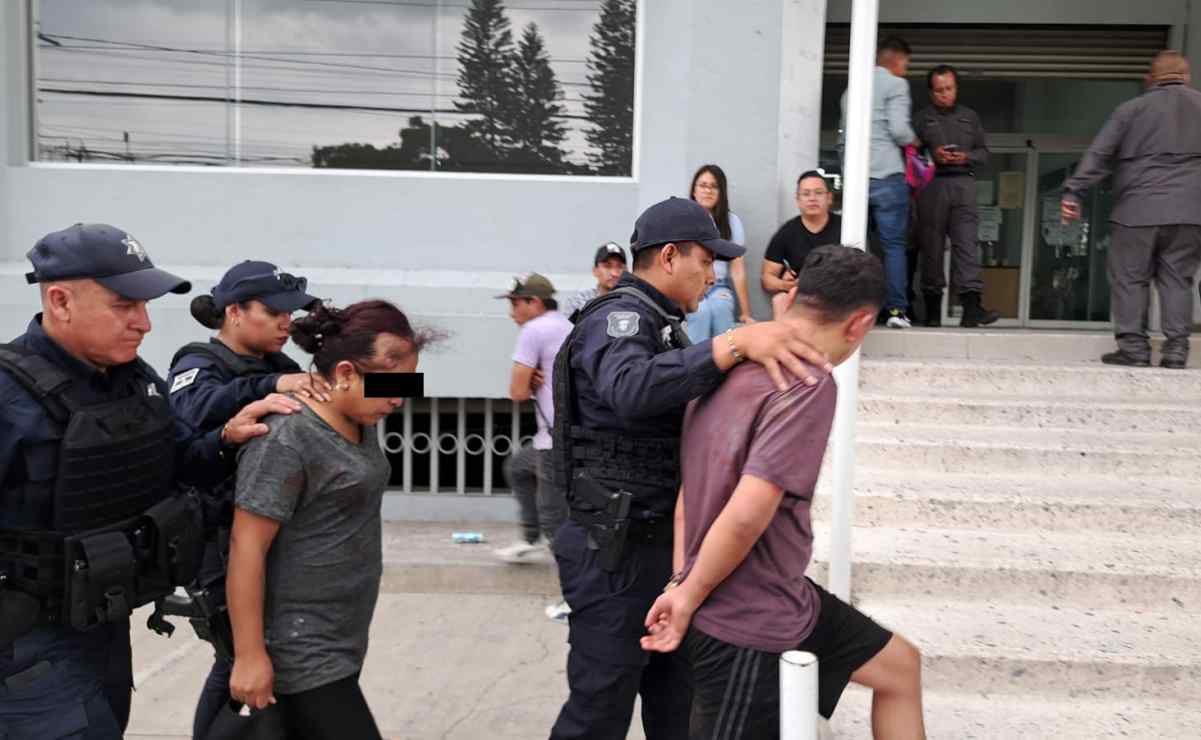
[455, 445]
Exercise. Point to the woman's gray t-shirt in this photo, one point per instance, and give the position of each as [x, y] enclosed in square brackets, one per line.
[324, 567]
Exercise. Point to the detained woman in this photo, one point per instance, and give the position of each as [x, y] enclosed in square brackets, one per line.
[251, 309]
[727, 302]
[306, 553]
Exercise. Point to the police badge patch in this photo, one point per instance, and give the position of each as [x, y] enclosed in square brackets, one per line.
[183, 380]
[623, 324]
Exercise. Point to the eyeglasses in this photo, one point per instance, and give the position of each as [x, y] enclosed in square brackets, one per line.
[707, 186]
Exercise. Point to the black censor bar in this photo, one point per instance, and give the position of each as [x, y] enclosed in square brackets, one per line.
[394, 385]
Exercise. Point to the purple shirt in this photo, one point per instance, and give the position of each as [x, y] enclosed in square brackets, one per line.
[748, 427]
[537, 344]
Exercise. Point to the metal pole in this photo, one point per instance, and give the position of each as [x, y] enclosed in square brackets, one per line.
[435, 455]
[798, 696]
[854, 232]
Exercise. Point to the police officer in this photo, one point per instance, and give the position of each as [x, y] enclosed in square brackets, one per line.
[621, 384]
[251, 307]
[947, 206]
[89, 451]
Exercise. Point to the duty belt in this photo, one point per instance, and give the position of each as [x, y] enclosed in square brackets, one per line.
[642, 531]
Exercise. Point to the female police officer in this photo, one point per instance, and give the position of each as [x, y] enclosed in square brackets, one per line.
[251, 307]
[89, 457]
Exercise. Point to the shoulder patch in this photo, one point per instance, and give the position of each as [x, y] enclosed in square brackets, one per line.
[183, 380]
[623, 324]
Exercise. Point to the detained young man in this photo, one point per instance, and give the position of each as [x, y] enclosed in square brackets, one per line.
[744, 536]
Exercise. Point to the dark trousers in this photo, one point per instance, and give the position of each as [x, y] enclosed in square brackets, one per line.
[331, 712]
[1169, 255]
[213, 696]
[541, 505]
[606, 667]
[947, 207]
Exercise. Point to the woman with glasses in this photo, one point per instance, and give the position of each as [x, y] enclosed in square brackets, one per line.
[719, 308]
[251, 310]
[306, 552]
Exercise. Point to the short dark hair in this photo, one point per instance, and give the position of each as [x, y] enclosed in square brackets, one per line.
[896, 45]
[838, 280]
[645, 257]
[941, 69]
[812, 173]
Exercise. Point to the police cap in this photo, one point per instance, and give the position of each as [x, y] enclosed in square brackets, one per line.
[262, 281]
[105, 254]
[678, 220]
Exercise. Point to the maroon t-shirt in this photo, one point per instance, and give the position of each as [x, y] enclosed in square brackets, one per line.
[748, 427]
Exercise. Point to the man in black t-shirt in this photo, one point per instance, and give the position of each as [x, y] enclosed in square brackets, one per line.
[793, 242]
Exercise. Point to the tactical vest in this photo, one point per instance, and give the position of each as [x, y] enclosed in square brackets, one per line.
[241, 366]
[119, 537]
[647, 467]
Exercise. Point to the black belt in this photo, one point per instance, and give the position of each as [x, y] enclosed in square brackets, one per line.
[643, 531]
[954, 173]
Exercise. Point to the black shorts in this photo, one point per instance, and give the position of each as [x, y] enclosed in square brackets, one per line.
[736, 691]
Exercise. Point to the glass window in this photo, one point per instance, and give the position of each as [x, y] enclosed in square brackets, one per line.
[528, 86]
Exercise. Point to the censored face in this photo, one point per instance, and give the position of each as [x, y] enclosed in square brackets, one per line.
[393, 354]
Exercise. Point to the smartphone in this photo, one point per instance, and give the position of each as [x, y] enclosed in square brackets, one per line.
[789, 267]
[951, 148]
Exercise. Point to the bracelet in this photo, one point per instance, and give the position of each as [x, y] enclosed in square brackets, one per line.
[674, 581]
[738, 356]
[224, 434]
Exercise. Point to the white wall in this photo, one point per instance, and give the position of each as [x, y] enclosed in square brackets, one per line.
[439, 245]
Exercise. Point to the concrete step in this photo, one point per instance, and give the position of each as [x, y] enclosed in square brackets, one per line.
[938, 378]
[1006, 647]
[904, 498]
[1084, 569]
[1028, 413]
[987, 716]
[1053, 453]
[1002, 345]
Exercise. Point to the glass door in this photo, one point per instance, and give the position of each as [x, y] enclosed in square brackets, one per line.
[1068, 283]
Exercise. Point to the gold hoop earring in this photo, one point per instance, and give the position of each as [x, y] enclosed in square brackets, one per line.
[343, 386]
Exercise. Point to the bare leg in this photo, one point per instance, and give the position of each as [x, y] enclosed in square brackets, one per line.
[895, 678]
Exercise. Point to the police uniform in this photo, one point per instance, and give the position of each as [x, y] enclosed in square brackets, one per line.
[209, 383]
[947, 208]
[622, 382]
[90, 525]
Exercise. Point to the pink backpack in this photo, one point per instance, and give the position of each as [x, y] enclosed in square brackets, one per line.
[919, 171]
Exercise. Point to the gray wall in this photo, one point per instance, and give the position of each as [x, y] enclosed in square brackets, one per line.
[440, 245]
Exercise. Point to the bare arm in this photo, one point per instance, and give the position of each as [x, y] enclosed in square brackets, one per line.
[677, 552]
[252, 681]
[738, 278]
[726, 544]
[521, 386]
[775, 279]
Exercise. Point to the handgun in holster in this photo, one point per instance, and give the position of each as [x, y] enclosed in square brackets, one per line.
[609, 525]
[209, 618]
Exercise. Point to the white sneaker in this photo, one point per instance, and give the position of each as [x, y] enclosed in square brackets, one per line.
[898, 320]
[519, 552]
[558, 612]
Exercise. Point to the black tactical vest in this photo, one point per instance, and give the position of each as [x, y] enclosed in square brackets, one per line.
[118, 537]
[647, 467]
[241, 366]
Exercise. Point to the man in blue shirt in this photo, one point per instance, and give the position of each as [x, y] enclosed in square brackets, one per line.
[65, 672]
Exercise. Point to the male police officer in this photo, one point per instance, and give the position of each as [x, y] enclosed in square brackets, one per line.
[89, 526]
[621, 383]
[947, 206]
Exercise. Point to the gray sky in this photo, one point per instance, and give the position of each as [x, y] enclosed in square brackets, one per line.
[378, 53]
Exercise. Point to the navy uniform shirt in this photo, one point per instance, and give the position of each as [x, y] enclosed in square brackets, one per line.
[28, 436]
[205, 393]
[626, 379]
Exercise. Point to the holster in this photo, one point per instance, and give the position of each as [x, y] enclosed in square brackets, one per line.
[205, 611]
[609, 524]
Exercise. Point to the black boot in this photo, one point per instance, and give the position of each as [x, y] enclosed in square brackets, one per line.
[973, 313]
[934, 309]
[1121, 358]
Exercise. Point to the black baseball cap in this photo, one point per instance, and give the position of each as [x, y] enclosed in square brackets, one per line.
[263, 281]
[681, 220]
[609, 250]
[105, 254]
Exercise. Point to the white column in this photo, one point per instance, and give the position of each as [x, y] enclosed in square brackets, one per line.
[802, 51]
[854, 232]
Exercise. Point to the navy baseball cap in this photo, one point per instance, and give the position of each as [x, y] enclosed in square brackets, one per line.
[105, 254]
[609, 250]
[681, 220]
[263, 281]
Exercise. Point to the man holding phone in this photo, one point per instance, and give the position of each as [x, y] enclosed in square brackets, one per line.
[814, 227]
[947, 206]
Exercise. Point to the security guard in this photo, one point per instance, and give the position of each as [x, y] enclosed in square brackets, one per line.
[947, 206]
[90, 527]
[621, 384]
[251, 307]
